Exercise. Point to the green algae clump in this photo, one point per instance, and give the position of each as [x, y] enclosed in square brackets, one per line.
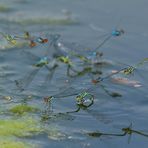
[46, 21]
[22, 109]
[20, 127]
[4, 8]
[13, 144]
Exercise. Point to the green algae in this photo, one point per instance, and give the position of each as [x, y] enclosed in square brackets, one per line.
[20, 127]
[41, 21]
[46, 21]
[4, 8]
[22, 109]
[14, 130]
[14, 144]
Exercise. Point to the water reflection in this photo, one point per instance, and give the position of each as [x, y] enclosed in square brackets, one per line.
[125, 131]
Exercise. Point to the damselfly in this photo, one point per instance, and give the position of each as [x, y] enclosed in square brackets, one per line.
[114, 33]
[66, 52]
[40, 63]
[129, 70]
[32, 39]
[83, 98]
[9, 38]
[43, 62]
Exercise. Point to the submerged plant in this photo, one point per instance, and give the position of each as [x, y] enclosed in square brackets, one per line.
[9, 143]
[47, 21]
[4, 8]
[22, 109]
[21, 127]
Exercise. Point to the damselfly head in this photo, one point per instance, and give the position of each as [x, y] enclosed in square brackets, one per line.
[129, 70]
[32, 44]
[127, 130]
[94, 81]
[26, 35]
[47, 99]
[117, 32]
[41, 40]
[45, 40]
[96, 54]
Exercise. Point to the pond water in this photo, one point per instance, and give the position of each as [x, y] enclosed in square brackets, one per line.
[27, 119]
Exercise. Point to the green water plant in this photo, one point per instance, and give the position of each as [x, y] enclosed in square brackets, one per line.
[25, 126]
[41, 21]
[4, 8]
[8, 143]
[22, 109]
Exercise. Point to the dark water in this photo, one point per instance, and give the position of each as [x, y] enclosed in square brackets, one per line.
[89, 19]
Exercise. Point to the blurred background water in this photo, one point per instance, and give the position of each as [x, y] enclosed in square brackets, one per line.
[81, 22]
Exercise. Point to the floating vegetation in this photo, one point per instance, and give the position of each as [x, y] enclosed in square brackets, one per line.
[9, 143]
[41, 21]
[21, 127]
[46, 21]
[23, 109]
[13, 130]
[4, 8]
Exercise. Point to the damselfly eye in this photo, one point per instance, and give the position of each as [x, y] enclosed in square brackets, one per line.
[32, 44]
[47, 99]
[45, 40]
[27, 34]
[94, 81]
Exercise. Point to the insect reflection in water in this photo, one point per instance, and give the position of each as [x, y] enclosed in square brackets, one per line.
[125, 131]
